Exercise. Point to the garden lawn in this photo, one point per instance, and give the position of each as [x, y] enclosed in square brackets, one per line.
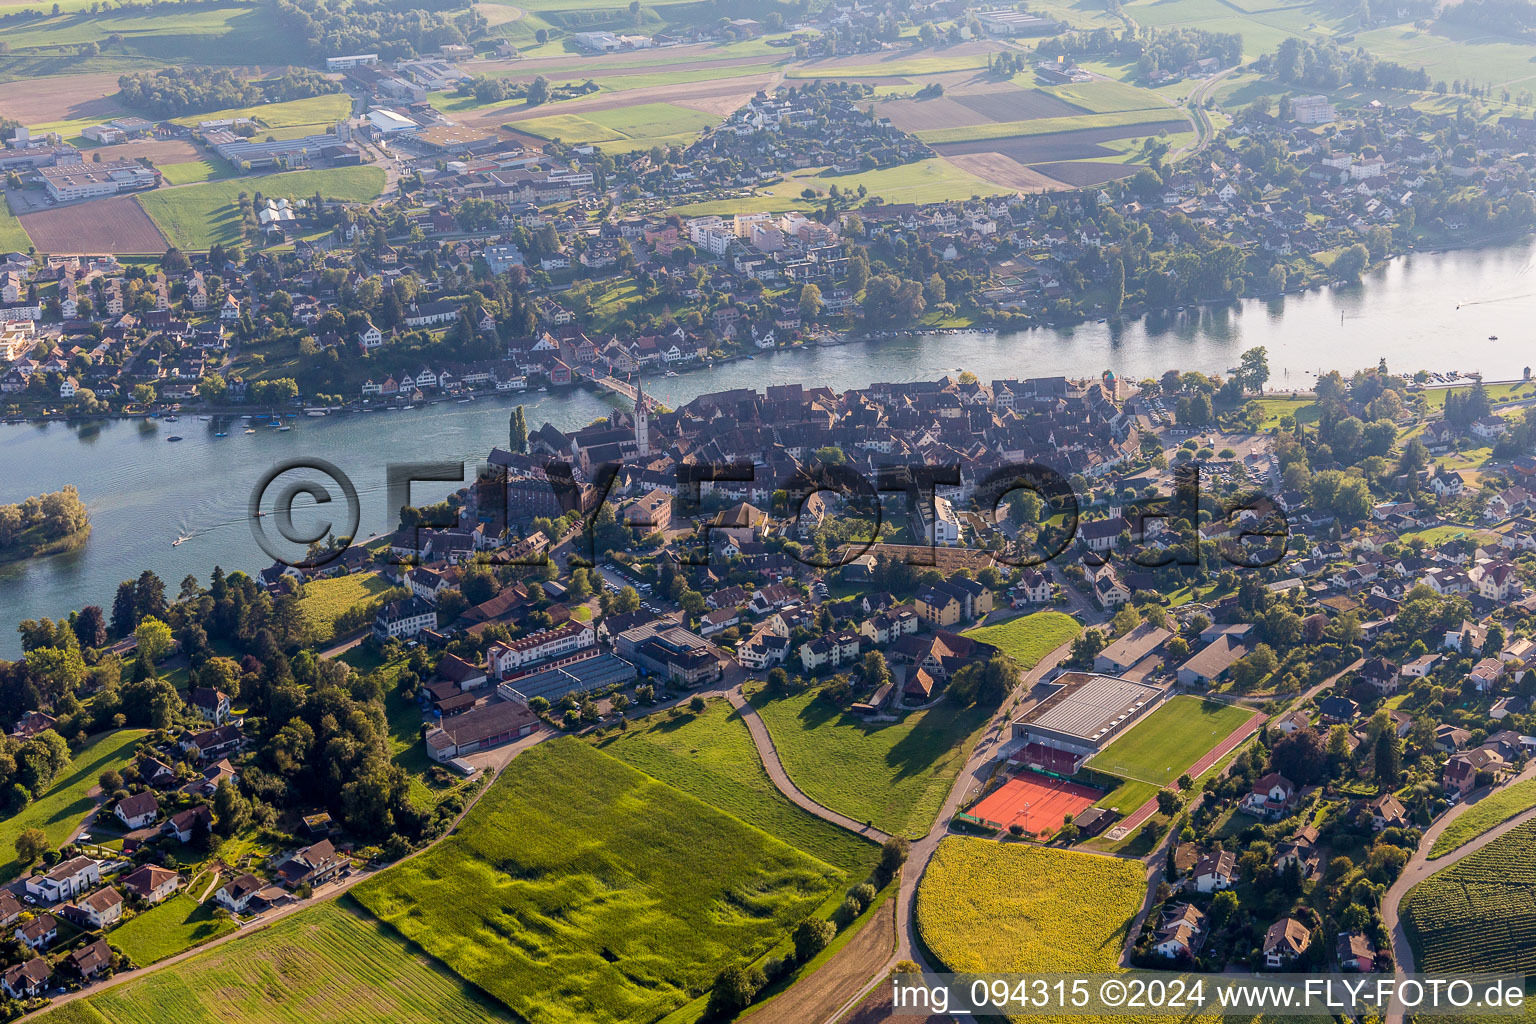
[12, 235]
[581, 890]
[175, 925]
[1162, 746]
[1029, 638]
[895, 774]
[324, 965]
[325, 601]
[710, 755]
[60, 811]
[984, 906]
[198, 216]
[1489, 812]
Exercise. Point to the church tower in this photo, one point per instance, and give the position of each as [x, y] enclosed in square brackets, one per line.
[642, 420]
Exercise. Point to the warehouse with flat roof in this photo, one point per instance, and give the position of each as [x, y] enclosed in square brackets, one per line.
[1085, 712]
[579, 675]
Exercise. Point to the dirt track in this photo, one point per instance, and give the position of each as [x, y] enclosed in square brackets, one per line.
[842, 977]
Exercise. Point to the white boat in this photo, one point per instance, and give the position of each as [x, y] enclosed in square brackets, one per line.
[284, 427]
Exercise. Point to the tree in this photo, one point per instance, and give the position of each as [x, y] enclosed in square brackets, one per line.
[811, 937]
[733, 991]
[893, 854]
[154, 639]
[538, 91]
[1301, 757]
[1351, 263]
[91, 627]
[31, 844]
[1168, 802]
[810, 301]
[1253, 369]
[124, 609]
[517, 432]
[110, 781]
[1389, 759]
[231, 810]
[625, 601]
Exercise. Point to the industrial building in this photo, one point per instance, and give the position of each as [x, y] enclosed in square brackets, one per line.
[1080, 718]
[66, 182]
[578, 675]
[387, 122]
[356, 60]
[265, 152]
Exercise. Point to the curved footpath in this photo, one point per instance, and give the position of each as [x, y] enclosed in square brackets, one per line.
[1420, 867]
[769, 755]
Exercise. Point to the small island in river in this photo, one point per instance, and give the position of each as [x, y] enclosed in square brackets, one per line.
[44, 524]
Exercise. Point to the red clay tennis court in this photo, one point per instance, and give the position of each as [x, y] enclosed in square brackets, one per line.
[1048, 802]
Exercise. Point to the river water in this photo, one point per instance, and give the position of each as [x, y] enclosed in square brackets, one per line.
[1430, 311]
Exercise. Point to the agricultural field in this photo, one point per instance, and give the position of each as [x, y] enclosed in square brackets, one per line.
[581, 890]
[117, 224]
[327, 964]
[233, 34]
[65, 806]
[1489, 812]
[985, 906]
[1479, 914]
[197, 216]
[325, 601]
[175, 925]
[710, 755]
[1150, 120]
[1029, 638]
[621, 129]
[895, 775]
[1166, 743]
[12, 235]
[925, 181]
[312, 110]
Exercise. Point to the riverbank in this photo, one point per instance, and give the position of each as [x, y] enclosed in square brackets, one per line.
[23, 549]
[143, 493]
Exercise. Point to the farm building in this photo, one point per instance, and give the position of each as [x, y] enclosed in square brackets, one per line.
[1080, 718]
[487, 726]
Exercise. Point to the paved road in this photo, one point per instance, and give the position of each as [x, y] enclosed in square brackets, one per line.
[1420, 867]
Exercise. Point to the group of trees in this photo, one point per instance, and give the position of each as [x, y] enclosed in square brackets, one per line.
[1154, 49]
[42, 519]
[1325, 66]
[170, 92]
[390, 28]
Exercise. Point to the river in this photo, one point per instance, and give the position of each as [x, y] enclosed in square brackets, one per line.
[1432, 311]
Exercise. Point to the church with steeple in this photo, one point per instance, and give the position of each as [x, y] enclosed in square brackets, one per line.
[642, 421]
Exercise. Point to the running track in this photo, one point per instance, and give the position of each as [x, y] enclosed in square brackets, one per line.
[1217, 752]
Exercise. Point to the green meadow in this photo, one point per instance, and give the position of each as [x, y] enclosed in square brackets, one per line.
[581, 890]
[197, 216]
